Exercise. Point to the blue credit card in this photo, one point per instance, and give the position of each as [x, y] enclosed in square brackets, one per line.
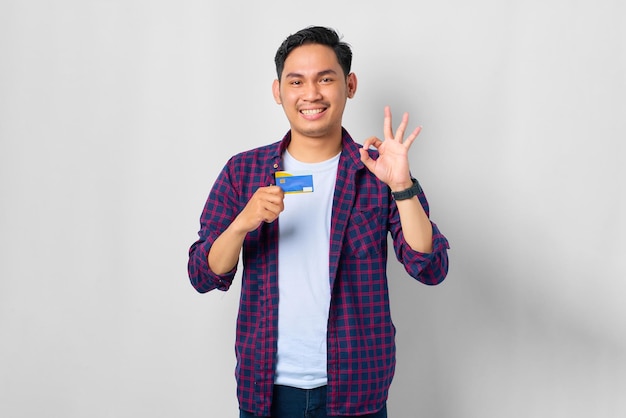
[294, 183]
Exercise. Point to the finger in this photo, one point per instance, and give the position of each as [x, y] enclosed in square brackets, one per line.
[270, 217]
[365, 156]
[402, 128]
[274, 202]
[276, 191]
[270, 189]
[413, 136]
[266, 199]
[367, 160]
[372, 141]
[270, 193]
[272, 210]
[387, 129]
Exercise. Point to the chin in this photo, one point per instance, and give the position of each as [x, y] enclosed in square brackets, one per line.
[314, 133]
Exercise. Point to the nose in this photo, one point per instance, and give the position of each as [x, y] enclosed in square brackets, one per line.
[312, 92]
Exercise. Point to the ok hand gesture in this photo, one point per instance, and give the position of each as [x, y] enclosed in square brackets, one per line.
[392, 164]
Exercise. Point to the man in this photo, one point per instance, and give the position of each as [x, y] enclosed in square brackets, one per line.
[310, 215]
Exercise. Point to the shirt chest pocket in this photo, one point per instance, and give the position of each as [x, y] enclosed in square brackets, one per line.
[364, 233]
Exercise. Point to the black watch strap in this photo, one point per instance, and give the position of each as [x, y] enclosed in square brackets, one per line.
[414, 190]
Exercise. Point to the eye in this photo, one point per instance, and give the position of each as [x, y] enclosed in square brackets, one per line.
[326, 80]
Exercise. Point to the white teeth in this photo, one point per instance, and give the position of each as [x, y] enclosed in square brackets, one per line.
[311, 111]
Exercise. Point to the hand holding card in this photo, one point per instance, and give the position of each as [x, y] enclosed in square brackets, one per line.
[292, 183]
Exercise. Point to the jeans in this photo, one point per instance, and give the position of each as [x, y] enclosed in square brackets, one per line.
[291, 402]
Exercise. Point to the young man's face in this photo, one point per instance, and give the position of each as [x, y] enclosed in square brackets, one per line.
[313, 91]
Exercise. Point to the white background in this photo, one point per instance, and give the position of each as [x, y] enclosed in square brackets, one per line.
[116, 116]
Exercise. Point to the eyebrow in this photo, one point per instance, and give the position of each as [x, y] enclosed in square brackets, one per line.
[321, 73]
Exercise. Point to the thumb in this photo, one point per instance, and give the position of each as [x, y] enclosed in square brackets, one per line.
[366, 159]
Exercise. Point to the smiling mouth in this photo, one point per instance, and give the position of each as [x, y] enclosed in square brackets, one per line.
[311, 111]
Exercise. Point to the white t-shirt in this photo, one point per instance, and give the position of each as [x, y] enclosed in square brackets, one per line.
[303, 277]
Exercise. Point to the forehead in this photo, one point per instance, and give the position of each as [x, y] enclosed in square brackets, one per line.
[311, 58]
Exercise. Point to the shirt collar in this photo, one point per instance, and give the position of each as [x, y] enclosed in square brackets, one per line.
[349, 152]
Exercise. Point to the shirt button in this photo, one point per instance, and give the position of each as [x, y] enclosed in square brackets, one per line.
[275, 165]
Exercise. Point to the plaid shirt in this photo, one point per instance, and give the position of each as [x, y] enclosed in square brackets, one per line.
[361, 336]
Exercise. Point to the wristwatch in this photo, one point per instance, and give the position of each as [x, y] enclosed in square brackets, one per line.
[414, 190]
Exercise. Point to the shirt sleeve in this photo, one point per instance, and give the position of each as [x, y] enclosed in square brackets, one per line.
[220, 209]
[428, 268]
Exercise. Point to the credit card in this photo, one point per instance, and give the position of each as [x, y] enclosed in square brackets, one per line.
[294, 182]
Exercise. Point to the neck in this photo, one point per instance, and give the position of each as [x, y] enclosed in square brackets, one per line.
[314, 150]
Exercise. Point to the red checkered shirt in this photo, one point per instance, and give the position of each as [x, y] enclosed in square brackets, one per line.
[361, 335]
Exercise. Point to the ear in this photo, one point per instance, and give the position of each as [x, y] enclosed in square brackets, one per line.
[276, 92]
[351, 83]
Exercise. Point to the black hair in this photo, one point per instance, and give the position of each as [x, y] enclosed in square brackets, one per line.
[314, 35]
